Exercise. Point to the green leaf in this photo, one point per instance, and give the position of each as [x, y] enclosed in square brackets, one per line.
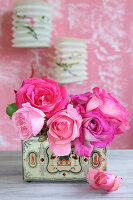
[10, 109]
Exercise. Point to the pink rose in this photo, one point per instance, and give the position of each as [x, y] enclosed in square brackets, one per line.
[28, 121]
[43, 94]
[63, 128]
[95, 131]
[103, 180]
[110, 108]
[79, 101]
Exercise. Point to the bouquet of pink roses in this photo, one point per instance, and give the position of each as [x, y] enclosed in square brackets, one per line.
[89, 119]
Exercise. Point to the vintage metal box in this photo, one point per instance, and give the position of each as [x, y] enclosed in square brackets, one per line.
[39, 164]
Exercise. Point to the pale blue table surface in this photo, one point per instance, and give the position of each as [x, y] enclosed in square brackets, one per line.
[12, 186]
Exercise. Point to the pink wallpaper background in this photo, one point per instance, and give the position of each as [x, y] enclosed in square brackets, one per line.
[108, 27]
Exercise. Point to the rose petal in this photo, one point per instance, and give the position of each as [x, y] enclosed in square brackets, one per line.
[60, 149]
[90, 179]
[116, 184]
[81, 149]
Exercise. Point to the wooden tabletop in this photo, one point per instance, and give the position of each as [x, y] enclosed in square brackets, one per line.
[12, 186]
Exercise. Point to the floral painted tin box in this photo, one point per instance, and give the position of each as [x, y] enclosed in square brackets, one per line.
[64, 137]
[40, 164]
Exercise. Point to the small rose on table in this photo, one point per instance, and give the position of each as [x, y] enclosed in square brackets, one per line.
[103, 180]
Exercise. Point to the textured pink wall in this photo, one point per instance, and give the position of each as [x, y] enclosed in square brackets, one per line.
[108, 27]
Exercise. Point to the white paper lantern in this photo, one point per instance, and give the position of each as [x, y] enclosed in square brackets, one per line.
[32, 24]
[71, 55]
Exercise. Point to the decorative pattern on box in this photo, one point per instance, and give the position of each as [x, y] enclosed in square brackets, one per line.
[42, 165]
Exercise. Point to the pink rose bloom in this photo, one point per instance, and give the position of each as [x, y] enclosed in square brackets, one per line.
[95, 131]
[103, 180]
[110, 108]
[43, 94]
[28, 121]
[79, 101]
[63, 128]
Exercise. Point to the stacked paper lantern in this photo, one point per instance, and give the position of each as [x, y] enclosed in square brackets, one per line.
[32, 22]
[71, 55]
[32, 26]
